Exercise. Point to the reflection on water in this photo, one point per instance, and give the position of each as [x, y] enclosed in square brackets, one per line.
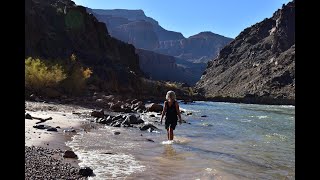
[169, 152]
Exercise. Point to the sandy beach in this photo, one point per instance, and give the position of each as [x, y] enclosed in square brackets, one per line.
[63, 116]
[44, 149]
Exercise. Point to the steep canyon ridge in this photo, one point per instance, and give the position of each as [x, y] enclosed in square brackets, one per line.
[259, 64]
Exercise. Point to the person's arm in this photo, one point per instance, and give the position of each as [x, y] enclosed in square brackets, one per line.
[164, 110]
[178, 112]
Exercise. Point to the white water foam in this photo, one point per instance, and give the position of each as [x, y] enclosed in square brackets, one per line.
[109, 165]
[245, 120]
[167, 142]
[262, 117]
[105, 165]
[177, 140]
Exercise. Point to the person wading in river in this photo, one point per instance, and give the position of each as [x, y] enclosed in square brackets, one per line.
[172, 112]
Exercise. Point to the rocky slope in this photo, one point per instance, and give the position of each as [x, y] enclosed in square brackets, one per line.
[56, 29]
[259, 65]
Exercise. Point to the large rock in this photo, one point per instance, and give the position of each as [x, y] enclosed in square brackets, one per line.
[69, 154]
[132, 119]
[116, 107]
[28, 116]
[149, 127]
[153, 107]
[52, 129]
[259, 65]
[138, 106]
[98, 114]
[86, 171]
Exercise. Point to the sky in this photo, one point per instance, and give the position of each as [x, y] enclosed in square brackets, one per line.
[224, 17]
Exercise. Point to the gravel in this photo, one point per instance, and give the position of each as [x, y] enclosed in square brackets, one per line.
[39, 164]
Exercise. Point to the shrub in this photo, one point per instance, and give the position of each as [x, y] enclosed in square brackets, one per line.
[75, 83]
[39, 76]
[43, 78]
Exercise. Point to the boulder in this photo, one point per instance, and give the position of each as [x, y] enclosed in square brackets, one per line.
[28, 116]
[116, 107]
[116, 133]
[52, 129]
[132, 119]
[85, 171]
[153, 107]
[139, 105]
[98, 114]
[147, 126]
[69, 154]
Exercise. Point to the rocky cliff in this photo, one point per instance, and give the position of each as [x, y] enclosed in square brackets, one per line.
[54, 29]
[139, 33]
[163, 67]
[134, 27]
[199, 48]
[117, 17]
[130, 25]
[259, 65]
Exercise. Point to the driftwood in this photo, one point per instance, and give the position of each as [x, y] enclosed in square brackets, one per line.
[28, 116]
[41, 119]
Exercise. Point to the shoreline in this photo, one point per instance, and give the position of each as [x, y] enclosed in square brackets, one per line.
[64, 116]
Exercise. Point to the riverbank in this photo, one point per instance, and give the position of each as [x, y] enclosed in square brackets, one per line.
[44, 148]
[50, 124]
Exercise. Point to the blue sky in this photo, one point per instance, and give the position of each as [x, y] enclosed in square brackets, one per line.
[224, 17]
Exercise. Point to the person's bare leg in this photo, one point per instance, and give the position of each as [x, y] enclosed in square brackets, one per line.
[171, 134]
[168, 134]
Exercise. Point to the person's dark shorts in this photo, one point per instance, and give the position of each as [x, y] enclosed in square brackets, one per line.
[171, 124]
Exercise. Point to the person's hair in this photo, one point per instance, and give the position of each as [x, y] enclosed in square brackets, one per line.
[171, 95]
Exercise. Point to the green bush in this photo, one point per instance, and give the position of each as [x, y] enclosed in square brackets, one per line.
[43, 78]
[39, 76]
